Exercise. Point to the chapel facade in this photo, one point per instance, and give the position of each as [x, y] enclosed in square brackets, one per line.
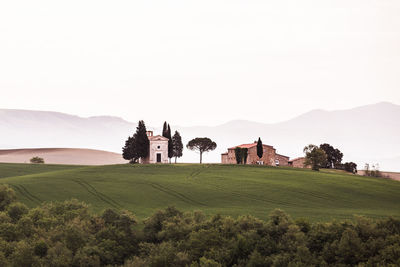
[158, 149]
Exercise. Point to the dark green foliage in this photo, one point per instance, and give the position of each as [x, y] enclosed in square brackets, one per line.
[129, 150]
[260, 149]
[315, 156]
[167, 133]
[40, 248]
[333, 156]
[165, 129]
[137, 146]
[67, 234]
[37, 160]
[142, 141]
[170, 146]
[238, 155]
[7, 196]
[202, 145]
[244, 155]
[348, 167]
[241, 155]
[177, 145]
[16, 211]
[247, 241]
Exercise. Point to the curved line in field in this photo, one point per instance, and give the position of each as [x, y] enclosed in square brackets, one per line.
[101, 194]
[197, 172]
[29, 193]
[24, 192]
[175, 194]
[95, 193]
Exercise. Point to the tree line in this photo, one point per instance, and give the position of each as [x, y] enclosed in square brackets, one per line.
[68, 234]
[137, 146]
[326, 156]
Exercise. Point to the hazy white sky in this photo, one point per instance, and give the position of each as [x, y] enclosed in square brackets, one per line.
[198, 62]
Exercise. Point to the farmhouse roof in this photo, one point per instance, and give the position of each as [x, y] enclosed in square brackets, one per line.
[247, 146]
[282, 155]
[297, 158]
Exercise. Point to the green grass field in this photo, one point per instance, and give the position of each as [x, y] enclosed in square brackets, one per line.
[223, 189]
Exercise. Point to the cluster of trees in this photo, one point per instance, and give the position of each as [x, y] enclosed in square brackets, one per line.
[137, 146]
[326, 156]
[175, 145]
[372, 171]
[67, 234]
[37, 160]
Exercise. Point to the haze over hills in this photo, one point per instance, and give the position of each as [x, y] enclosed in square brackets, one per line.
[364, 134]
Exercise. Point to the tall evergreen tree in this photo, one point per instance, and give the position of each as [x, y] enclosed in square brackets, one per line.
[165, 129]
[260, 149]
[177, 145]
[128, 151]
[137, 146]
[142, 143]
[170, 148]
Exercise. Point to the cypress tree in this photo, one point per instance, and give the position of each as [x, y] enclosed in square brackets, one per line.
[165, 129]
[260, 149]
[177, 145]
[170, 147]
[142, 143]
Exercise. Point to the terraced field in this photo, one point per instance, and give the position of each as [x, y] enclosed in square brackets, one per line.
[223, 189]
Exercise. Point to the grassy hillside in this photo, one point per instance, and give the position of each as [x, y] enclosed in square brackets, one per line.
[11, 169]
[228, 190]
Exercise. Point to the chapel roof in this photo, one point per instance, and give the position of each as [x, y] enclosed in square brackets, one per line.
[157, 138]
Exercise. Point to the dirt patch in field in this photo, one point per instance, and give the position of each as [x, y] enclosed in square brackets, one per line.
[62, 156]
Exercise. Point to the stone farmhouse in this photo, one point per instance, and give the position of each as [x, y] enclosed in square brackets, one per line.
[270, 157]
[298, 163]
[158, 150]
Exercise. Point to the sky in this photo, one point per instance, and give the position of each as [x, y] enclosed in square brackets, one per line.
[198, 62]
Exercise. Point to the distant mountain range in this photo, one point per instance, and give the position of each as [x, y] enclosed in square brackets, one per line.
[364, 134]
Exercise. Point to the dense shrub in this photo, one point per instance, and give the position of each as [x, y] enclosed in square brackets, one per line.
[37, 160]
[67, 234]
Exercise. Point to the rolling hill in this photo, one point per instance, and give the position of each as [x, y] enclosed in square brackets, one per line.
[213, 188]
[364, 134]
[62, 156]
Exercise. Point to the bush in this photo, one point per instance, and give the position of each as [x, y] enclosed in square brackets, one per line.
[37, 160]
[7, 196]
